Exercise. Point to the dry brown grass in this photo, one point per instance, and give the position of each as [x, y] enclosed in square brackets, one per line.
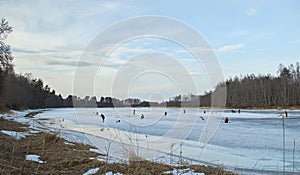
[12, 126]
[74, 158]
[59, 158]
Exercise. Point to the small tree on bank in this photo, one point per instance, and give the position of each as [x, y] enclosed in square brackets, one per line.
[6, 57]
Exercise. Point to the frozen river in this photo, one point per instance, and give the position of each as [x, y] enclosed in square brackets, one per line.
[252, 141]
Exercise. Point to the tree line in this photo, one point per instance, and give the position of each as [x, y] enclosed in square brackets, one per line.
[265, 91]
[20, 91]
[23, 91]
[250, 91]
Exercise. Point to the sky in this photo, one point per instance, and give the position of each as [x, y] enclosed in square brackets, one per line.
[51, 40]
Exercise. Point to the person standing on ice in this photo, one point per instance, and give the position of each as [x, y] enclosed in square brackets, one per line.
[142, 116]
[103, 117]
[226, 120]
[166, 113]
[134, 112]
[286, 113]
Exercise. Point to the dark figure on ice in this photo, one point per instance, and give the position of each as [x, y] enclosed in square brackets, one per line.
[103, 117]
[166, 113]
[239, 111]
[184, 111]
[204, 111]
[142, 116]
[286, 113]
[134, 112]
[226, 120]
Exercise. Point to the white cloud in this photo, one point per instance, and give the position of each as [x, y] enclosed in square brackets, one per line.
[251, 11]
[230, 48]
[50, 38]
[197, 73]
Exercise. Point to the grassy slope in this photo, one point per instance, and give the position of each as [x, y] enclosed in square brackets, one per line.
[73, 158]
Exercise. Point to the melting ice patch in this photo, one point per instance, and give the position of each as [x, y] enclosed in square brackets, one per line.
[183, 172]
[33, 157]
[91, 171]
[17, 135]
[111, 173]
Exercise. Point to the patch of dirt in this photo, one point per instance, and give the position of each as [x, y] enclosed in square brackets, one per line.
[32, 114]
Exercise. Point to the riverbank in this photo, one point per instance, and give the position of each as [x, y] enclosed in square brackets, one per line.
[25, 150]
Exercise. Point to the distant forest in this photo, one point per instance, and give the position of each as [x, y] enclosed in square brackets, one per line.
[265, 91]
[19, 91]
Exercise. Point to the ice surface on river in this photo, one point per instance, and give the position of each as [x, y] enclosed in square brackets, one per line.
[251, 140]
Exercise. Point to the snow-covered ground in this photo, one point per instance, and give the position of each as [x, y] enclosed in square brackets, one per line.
[17, 135]
[183, 172]
[33, 157]
[251, 142]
